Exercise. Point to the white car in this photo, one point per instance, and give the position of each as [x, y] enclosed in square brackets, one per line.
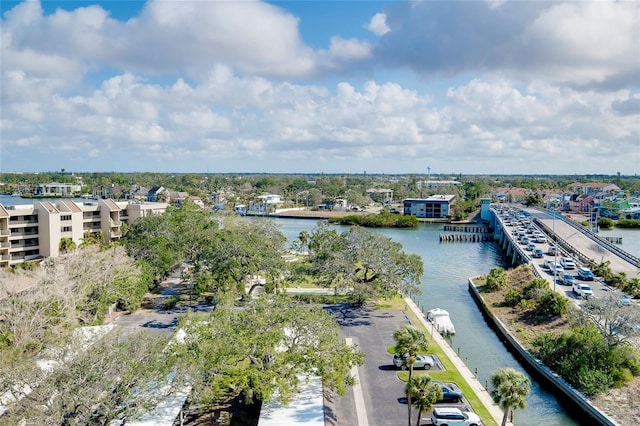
[582, 290]
[422, 361]
[567, 263]
[454, 416]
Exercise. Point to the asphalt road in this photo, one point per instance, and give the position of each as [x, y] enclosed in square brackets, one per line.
[383, 392]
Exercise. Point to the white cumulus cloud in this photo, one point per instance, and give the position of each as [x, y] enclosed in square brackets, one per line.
[378, 24]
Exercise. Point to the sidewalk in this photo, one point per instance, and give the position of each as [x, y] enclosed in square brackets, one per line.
[465, 372]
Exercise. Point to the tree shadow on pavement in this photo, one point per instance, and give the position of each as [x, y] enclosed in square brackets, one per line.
[349, 315]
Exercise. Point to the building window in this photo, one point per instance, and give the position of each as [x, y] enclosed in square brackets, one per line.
[66, 217]
[66, 229]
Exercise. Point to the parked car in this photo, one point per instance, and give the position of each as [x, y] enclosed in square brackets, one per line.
[585, 274]
[567, 263]
[567, 279]
[582, 290]
[537, 253]
[422, 361]
[450, 393]
[454, 416]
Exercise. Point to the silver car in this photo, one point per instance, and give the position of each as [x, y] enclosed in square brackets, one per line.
[422, 361]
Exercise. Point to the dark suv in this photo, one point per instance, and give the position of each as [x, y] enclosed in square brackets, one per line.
[450, 393]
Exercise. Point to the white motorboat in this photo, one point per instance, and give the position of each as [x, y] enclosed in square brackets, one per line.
[441, 321]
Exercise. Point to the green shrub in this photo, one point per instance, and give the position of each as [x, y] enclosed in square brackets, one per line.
[170, 302]
[593, 381]
[526, 304]
[628, 223]
[606, 223]
[552, 304]
[535, 289]
[511, 298]
[497, 279]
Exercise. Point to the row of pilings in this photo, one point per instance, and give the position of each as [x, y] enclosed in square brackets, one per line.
[465, 238]
[467, 228]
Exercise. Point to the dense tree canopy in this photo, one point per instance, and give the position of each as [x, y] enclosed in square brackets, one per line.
[266, 346]
[363, 263]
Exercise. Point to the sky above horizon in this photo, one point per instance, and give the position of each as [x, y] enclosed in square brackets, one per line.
[471, 87]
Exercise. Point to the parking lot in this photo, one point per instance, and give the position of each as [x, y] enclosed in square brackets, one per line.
[382, 391]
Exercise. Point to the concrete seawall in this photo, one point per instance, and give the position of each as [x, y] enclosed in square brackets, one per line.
[536, 368]
[473, 382]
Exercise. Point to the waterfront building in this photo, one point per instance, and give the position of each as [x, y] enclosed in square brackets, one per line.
[33, 232]
[436, 206]
[381, 195]
[55, 189]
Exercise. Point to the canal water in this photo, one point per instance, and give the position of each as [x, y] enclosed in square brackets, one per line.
[447, 268]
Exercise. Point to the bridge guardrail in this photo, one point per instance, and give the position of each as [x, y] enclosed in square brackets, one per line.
[612, 247]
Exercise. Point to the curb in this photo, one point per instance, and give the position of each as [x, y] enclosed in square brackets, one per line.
[468, 376]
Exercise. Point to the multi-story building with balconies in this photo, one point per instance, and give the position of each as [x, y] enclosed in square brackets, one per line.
[32, 232]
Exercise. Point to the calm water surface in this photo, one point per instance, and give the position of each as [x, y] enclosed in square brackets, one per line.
[444, 284]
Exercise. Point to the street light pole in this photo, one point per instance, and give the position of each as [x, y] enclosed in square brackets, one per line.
[555, 251]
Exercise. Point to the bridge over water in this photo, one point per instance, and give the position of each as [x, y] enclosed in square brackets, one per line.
[572, 238]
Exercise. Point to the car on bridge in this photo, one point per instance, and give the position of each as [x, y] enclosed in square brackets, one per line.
[567, 279]
[567, 263]
[582, 290]
[538, 253]
[541, 239]
[585, 274]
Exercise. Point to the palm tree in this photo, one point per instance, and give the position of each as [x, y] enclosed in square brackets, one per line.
[66, 245]
[425, 392]
[511, 389]
[410, 340]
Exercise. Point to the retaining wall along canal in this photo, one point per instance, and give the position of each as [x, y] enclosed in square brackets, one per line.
[537, 368]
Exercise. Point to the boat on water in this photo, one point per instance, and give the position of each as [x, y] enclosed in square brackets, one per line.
[441, 321]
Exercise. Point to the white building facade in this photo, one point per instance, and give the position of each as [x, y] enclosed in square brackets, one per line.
[32, 232]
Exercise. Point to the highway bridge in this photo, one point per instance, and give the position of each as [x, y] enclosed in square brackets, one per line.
[572, 239]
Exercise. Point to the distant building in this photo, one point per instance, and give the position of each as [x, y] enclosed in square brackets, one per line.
[433, 184]
[436, 206]
[270, 199]
[192, 198]
[592, 187]
[154, 193]
[34, 232]
[380, 195]
[55, 189]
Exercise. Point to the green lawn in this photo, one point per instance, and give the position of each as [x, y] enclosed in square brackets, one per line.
[450, 374]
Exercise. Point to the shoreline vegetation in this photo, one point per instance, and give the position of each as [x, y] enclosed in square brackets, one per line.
[564, 340]
[377, 220]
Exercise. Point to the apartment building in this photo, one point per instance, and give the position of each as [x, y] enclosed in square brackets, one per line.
[436, 206]
[32, 232]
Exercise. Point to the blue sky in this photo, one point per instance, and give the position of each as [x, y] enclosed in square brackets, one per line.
[471, 87]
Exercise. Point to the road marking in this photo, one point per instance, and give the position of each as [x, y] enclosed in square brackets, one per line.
[361, 411]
